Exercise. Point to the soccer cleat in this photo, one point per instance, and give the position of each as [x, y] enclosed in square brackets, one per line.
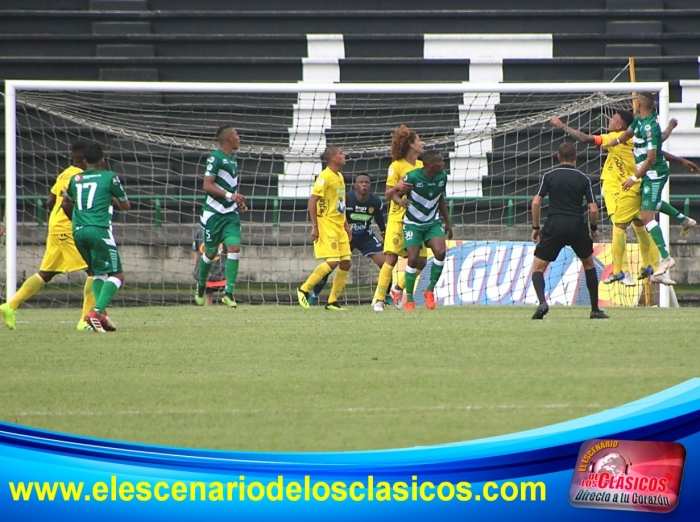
[646, 272]
[229, 301]
[429, 299]
[628, 280]
[335, 307]
[687, 224]
[663, 279]
[397, 297]
[378, 306]
[599, 314]
[107, 323]
[83, 326]
[303, 298]
[9, 316]
[409, 306]
[313, 299]
[94, 320]
[541, 311]
[614, 277]
[665, 265]
[199, 299]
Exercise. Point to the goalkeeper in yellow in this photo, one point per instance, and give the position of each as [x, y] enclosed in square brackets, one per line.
[624, 206]
[330, 231]
[61, 254]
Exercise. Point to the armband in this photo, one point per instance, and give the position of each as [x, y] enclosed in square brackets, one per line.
[634, 179]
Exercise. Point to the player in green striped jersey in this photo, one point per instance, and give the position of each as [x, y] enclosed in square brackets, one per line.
[88, 203]
[652, 173]
[220, 218]
[424, 204]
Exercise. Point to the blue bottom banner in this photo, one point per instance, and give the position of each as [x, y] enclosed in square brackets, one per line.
[632, 462]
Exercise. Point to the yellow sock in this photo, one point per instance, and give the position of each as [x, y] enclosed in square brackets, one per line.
[383, 282]
[319, 273]
[30, 287]
[400, 277]
[341, 276]
[619, 244]
[88, 297]
[647, 248]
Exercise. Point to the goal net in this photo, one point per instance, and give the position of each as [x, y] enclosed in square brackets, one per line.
[497, 141]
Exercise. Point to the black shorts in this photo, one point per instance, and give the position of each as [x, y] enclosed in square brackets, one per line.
[367, 243]
[561, 231]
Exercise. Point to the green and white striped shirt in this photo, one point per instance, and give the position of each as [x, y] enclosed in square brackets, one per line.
[424, 197]
[648, 136]
[225, 170]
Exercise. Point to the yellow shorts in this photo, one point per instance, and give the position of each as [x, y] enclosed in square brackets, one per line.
[629, 205]
[610, 197]
[332, 244]
[393, 240]
[62, 255]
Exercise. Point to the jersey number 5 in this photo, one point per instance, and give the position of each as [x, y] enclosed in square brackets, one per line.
[92, 188]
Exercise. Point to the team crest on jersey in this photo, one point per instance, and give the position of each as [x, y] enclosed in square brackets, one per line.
[78, 177]
[370, 210]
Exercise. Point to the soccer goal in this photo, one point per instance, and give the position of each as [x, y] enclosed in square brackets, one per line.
[496, 139]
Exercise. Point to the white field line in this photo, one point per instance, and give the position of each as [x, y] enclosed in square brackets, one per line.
[465, 407]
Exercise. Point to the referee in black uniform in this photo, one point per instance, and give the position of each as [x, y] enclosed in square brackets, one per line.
[566, 225]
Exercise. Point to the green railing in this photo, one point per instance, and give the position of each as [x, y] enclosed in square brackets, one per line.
[40, 213]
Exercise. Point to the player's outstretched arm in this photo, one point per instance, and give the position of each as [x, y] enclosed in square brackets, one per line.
[577, 135]
[686, 163]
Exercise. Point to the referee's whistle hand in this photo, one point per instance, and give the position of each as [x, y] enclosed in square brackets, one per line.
[594, 234]
[536, 235]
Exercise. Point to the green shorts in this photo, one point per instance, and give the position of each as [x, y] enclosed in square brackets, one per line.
[99, 250]
[418, 235]
[651, 192]
[221, 228]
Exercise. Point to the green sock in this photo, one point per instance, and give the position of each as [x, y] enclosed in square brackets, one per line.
[97, 285]
[204, 269]
[658, 238]
[435, 272]
[106, 295]
[410, 283]
[231, 274]
[670, 210]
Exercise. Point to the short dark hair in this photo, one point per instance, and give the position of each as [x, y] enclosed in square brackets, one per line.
[362, 174]
[93, 154]
[626, 116]
[567, 151]
[78, 146]
[430, 155]
[330, 150]
[222, 129]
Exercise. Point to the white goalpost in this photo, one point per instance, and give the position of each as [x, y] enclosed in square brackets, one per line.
[495, 137]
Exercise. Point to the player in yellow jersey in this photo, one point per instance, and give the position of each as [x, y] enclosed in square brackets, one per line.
[330, 231]
[624, 206]
[61, 254]
[406, 146]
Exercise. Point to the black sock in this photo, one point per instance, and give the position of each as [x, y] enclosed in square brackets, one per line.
[201, 290]
[229, 295]
[592, 284]
[538, 283]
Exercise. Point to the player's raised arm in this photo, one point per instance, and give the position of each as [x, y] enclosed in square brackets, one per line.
[672, 124]
[580, 136]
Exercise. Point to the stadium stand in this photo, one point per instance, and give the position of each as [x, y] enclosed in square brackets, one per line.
[389, 40]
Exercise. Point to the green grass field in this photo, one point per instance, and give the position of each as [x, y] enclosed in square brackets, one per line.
[273, 378]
